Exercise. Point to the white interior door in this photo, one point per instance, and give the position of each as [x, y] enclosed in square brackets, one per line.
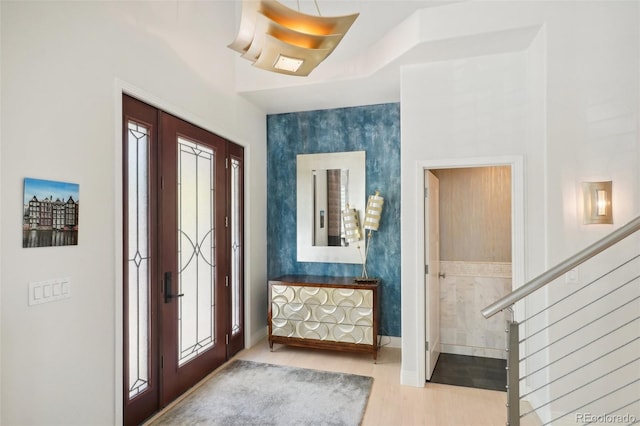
[432, 271]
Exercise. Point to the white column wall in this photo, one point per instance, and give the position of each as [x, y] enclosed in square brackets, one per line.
[456, 110]
[592, 118]
[568, 104]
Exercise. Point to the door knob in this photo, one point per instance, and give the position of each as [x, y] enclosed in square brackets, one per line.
[167, 288]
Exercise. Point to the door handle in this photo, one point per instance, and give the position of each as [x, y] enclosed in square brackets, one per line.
[167, 288]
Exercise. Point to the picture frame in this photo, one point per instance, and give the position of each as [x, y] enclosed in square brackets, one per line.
[51, 212]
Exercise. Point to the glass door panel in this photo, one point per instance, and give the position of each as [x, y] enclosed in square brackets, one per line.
[138, 259]
[196, 249]
[236, 247]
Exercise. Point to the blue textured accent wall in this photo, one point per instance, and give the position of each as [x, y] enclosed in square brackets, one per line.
[374, 129]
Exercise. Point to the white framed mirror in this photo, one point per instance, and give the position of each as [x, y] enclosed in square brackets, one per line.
[326, 184]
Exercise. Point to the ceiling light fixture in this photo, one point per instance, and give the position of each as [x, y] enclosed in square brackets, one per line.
[286, 41]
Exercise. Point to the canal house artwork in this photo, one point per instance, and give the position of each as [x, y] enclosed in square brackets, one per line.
[51, 212]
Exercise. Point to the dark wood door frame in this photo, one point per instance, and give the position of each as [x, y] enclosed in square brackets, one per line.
[236, 339]
[139, 408]
[176, 380]
[165, 384]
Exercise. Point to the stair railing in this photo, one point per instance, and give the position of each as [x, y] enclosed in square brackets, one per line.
[568, 310]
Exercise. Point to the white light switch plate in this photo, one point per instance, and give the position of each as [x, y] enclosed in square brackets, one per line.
[49, 291]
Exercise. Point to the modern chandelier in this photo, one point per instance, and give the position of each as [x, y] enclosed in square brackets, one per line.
[279, 39]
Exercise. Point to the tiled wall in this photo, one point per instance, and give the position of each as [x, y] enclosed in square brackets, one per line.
[468, 287]
[374, 129]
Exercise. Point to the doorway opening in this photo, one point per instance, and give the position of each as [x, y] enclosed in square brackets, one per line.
[475, 257]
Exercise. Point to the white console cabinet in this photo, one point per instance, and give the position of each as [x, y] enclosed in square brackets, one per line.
[324, 312]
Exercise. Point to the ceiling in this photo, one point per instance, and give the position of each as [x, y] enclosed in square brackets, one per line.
[365, 67]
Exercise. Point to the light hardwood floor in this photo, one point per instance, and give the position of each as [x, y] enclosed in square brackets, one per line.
[391, 404]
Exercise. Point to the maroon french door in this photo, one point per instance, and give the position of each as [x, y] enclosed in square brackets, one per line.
[183, 236]
[193, 254]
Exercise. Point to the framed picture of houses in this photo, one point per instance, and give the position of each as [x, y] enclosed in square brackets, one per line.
[51, 211]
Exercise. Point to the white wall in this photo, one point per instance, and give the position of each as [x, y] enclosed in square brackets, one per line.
[568, 104]
[469, 108]
[63, 65]
[592, 117]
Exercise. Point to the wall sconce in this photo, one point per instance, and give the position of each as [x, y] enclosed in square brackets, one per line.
[598, 206]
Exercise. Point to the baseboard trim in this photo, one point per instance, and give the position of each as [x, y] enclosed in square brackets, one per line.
[263, 333]
[256, 337]
[390, 341]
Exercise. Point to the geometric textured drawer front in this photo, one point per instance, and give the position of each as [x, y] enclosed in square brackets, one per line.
[323, 313]
[323, 331]
[322, 296]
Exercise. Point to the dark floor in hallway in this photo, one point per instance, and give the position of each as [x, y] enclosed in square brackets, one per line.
[470, 371]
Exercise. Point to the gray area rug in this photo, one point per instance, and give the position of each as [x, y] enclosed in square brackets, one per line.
[252, 393]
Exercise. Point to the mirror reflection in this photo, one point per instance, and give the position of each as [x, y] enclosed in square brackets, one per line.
[319, 206]
[330, 198]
